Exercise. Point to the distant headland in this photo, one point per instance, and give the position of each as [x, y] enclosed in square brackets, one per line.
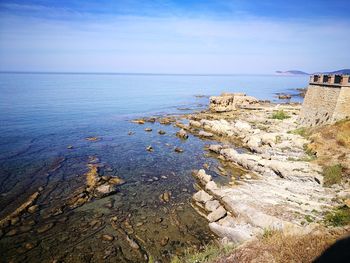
[299, 72]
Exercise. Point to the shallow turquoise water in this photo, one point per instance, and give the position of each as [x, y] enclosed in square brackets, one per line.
[41, 114]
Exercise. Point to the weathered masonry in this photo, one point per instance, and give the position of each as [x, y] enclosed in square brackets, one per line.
[327, 100]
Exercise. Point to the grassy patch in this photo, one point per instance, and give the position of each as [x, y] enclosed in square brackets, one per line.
[343, 138]
[304, 132]
[280, 115]
[309, 219]
[310, 153]
[208, 254]
[332, 174]
[280, 248]
[268, 233]
[339, 216]
[278, 139]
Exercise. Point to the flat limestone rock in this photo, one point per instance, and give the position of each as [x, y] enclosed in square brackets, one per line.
[217, 214]
[212, 205]
[202, 197]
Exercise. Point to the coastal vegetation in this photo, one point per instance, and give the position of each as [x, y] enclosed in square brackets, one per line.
[209, 253]
[280, 115]
[332, 174]
[339, 216]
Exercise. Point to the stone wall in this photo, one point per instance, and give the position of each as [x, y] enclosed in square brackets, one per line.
[342, 109]
[324, 104]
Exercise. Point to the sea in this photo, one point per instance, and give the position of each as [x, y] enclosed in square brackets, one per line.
[45, 120]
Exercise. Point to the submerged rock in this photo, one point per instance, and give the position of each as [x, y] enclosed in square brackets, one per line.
[32, 209]
[165, 197]
[45, 228]
[148, 129]
[108, 238]
[92, 139]
[161, 132]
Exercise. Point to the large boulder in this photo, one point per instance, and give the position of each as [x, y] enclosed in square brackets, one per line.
[230, 102]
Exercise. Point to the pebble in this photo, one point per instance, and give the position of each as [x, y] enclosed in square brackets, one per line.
[164, 177]
[158, 220]
[32, 209]
[132, 243]
[139, 224]
[161, 132]
[11, 233]
[178, 150]
[148, 129]
[44, 228]
[165, 197]
[106, 237]
[70, 147]
[29, 246]
[24, 229]
[164, 241]
[14, 220]
[130, 133]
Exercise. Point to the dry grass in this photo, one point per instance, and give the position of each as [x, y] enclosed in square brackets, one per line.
[206, 255]
[280, 248]
[331, 144]
[332, 174]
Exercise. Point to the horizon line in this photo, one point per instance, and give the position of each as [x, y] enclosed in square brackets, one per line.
[135, 73]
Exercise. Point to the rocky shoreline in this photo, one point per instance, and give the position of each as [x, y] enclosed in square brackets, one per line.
[281, 188]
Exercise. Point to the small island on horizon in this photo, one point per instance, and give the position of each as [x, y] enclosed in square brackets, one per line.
[299, 72]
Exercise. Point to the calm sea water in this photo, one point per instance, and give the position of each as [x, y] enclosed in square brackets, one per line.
[33, 105]
[41, 114]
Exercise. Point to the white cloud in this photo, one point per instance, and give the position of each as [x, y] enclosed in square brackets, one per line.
[170, 44]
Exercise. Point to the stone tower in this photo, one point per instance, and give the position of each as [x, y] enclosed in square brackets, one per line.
[327, 100]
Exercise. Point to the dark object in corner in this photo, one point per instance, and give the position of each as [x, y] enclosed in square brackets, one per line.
[339, 252]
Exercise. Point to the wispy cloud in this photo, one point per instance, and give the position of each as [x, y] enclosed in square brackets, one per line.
[58, 38]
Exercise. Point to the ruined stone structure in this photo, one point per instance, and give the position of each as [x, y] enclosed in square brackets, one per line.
[326, 101]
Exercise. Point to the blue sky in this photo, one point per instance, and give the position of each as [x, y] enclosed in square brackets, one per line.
[219, 37]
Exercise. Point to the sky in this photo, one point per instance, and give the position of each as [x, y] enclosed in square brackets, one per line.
[174, 36]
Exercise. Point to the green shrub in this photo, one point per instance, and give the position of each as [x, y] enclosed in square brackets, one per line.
[280, 115]
[301, 131]
[339, 216]
[332, 174]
